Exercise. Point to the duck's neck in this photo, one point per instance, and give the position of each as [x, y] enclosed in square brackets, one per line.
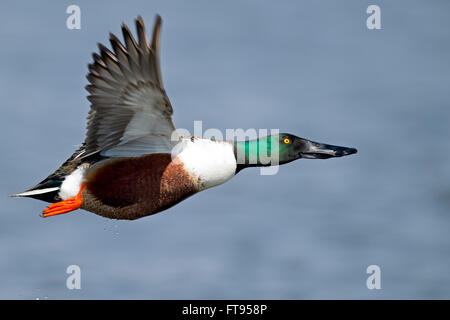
[253, 153]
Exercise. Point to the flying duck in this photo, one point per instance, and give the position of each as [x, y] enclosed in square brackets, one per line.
[133, 163]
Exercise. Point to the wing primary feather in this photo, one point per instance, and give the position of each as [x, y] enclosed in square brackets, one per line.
[155, 47]
[142, 36]
[156, 33]
[106, 53]
[133, 53]
[98, 59]
[130, 43]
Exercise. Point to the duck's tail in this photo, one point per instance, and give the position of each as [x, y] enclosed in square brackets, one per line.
[48, 189]
[45, 191]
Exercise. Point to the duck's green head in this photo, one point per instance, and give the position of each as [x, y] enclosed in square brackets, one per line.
[292, 148]
[283, 148]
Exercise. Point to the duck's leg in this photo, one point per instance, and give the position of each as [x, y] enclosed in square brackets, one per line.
[64, 206]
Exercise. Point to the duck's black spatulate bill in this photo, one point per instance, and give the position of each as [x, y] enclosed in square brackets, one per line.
[316, 150]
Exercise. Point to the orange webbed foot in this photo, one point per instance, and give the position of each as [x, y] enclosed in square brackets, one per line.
[64, 206]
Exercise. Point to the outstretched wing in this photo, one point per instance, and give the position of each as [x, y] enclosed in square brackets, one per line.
[130, 112]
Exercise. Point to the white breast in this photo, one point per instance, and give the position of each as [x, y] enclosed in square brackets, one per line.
[210, 162]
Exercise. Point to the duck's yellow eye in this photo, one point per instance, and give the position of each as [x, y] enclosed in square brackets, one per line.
[286, 140]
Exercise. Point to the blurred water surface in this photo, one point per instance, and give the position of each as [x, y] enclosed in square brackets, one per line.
[310, 68]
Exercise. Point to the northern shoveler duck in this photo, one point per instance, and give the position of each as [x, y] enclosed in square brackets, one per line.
[127, 168]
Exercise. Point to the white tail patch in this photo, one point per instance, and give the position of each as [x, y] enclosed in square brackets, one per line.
[33, 192]
[72, 183]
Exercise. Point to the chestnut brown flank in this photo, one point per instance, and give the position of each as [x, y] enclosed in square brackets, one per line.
[134, 187]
